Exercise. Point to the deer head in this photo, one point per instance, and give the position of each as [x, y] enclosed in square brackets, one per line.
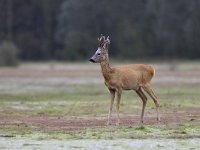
[102, 50]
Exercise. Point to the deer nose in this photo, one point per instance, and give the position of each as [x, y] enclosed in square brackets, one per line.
[92, 60]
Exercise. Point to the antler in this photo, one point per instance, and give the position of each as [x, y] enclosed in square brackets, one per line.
[107, 40]
[103, 40]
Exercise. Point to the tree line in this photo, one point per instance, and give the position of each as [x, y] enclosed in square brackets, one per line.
[68, 29]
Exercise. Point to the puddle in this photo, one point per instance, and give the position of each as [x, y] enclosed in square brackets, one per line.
[141, 144]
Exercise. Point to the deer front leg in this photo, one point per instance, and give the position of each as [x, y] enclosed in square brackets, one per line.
[112, 97]
[118, 98]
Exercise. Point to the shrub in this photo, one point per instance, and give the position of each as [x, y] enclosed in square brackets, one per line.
[8, 54]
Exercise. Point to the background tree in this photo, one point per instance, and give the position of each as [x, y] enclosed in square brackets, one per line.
[67, 29]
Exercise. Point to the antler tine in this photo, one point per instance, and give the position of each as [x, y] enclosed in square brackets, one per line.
[108, 40]
[101, 38]
[104, 39]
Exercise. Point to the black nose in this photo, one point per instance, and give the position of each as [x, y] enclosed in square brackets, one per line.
[91, 60]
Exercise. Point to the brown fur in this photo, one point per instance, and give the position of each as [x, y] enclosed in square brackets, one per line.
[129, 77]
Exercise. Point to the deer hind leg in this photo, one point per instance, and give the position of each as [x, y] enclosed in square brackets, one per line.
[148, 89]
[118, 98]
[112, 97]
[144, 100]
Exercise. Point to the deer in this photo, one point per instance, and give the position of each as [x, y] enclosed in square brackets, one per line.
[136, 77]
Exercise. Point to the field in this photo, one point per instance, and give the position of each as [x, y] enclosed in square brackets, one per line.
[65, 105]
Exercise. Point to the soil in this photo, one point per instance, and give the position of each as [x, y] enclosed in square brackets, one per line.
[62, 124]
[26, 75]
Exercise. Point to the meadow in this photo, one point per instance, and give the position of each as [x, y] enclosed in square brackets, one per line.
[67, 103]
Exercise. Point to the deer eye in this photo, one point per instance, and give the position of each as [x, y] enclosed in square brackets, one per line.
[98, 54]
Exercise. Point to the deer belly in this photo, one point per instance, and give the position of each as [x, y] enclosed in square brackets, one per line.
[130, 86]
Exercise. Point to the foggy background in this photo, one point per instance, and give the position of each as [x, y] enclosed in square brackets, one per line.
[67, 30]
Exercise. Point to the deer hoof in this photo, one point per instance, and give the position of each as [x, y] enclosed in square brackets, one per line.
[118, 123]
[141, 124]
[158, 120]
[108, 123]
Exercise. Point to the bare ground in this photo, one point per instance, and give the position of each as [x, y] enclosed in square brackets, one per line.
[48, 124]
[85, 74]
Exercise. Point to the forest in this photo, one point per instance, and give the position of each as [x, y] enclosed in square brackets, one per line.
[68, 29]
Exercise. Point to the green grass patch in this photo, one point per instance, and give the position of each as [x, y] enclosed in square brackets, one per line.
[92, 100]
[153, 132]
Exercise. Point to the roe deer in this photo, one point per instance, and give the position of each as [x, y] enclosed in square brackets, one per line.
[130, 77]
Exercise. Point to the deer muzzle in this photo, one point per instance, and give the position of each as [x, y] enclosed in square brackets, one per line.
[92, 60]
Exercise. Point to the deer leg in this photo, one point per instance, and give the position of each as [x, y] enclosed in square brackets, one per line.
[144, 100]
[112, 97]
[148, 89]
[118, 97]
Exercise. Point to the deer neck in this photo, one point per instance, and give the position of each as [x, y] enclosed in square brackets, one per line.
[105, 68]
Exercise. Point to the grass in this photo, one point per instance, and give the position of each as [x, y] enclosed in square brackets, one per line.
[147, 132]
[92, 100]
[84, 101]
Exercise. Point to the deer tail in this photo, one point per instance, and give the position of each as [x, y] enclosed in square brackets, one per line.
[152, 70]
